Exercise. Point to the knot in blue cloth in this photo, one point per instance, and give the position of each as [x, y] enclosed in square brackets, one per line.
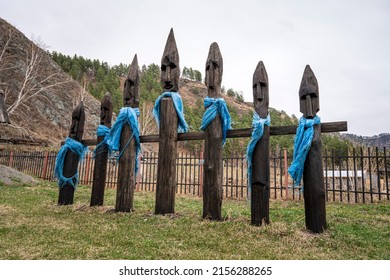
[258, 130]
[127, 115]
[76, 147]
[213, 107]
[302, 144]
[102, 130]
[178, 104]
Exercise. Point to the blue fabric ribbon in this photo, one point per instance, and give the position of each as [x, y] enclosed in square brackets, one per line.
[80, 150]
[302, 144]
[258, 130]
[126, 115]
[213, 107]
[178, 104]
[102, 130]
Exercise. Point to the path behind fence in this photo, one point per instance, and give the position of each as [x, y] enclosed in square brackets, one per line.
[360, 176]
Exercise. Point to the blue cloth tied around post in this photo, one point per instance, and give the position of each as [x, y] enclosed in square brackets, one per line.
[102, 130]
[213, 107]
[80, 150]
[178, 104]
[258, 130]
[302, 144]
[127, 115]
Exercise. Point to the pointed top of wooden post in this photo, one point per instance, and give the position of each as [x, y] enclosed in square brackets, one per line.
[106, 110]
[3, 110]
[309, 102]
[170, 68]
[78, 119]
[131, 91]
[214, 70]
[260, 90]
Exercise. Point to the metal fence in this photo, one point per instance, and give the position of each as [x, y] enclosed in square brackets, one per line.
[355, 176]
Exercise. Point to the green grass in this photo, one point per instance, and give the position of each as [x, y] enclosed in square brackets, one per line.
[32, 226]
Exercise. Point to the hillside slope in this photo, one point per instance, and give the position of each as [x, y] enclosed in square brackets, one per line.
[380, 141]
[47, 95]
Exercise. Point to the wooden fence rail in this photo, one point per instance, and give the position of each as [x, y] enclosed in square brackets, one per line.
[357, 176]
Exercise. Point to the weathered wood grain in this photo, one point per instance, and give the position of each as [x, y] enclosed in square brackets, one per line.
[313, 178]
[260, 181]
[213, 165]
[167, 154]
[126, 168]
[326, 127]
[100, 168]
[66, 193]
[167, 149]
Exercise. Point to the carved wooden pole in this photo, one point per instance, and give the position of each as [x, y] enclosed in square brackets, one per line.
[213, 165]
[100, 169]
[167, 149]
[260, 181]
[126, 169]
[313, 177]
[71, 159]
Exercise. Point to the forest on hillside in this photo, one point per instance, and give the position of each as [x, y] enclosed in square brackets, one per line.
[98, 77]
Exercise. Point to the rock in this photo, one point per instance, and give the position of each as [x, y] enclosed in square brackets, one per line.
[10, 176]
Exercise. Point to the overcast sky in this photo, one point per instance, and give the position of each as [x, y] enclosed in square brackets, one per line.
[346, 43]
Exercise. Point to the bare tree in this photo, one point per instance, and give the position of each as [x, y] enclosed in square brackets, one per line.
[35, 79]
[146, 120]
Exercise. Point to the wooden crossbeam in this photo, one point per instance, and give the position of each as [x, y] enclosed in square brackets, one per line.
[326, 127]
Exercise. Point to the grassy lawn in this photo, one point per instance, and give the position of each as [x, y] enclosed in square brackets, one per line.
[32, 226]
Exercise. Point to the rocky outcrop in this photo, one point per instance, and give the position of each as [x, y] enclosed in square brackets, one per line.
[45, 116]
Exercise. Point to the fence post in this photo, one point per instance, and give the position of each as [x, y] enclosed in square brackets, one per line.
[11, 159]
[101, 154]
[313, 177]
[285, 171]
[167, 148]
[126, 168]
[138, 176]
[213, 164]
[260, 181]
[45, 162]
[71, 160]
[201, 163]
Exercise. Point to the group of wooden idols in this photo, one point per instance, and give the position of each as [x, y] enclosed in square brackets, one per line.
[314, 191]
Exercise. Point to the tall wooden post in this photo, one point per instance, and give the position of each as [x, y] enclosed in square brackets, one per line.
[167, 149]
[213, 165]
[101, 157]
[71, 160]
[313, 177]
[126, 168]
[260, 181]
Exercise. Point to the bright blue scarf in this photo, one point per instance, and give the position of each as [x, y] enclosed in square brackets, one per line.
[80, 150]
[102, 130]
[213, 107]
[302, 144]
[258, 130]
[178, 104]
[126, 115]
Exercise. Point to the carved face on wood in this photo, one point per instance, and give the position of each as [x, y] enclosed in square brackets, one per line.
[106, 110]
[131, 92]
[260, 90]
[3, 111]
[78, 119]
[170, 69]
[214, 68]
[309, 102]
